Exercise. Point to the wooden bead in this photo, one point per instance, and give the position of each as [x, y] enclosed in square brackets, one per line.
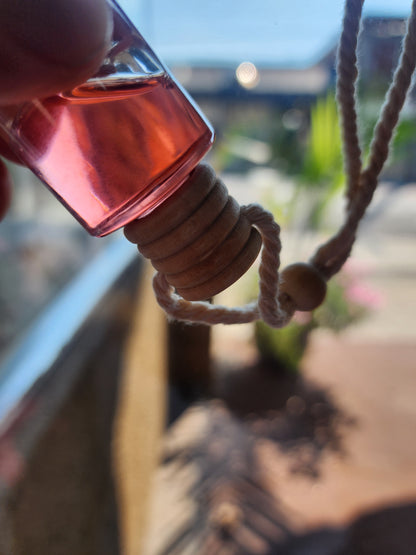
[304, 285]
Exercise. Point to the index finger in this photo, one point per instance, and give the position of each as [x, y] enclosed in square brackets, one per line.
[50, 45]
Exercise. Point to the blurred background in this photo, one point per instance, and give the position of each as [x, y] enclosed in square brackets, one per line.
[293, 441]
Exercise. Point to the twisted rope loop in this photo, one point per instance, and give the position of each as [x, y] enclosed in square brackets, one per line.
[269, 307]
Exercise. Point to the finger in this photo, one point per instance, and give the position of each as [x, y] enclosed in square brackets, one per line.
[5, 190]
[6, 152]
[50, 45]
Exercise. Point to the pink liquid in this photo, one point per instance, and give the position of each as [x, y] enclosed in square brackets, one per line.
[111, 157]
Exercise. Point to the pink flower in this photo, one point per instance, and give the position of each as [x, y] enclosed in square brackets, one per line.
[363, 295]
[302, 318]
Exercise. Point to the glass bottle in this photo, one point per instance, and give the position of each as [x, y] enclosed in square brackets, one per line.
[118, 146]
[114, 147]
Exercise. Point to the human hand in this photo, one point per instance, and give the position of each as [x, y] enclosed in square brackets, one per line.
[47, 46]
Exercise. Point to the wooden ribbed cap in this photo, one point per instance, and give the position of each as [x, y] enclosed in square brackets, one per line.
[198, 237]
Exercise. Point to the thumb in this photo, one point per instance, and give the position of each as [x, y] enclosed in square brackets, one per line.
[50, 45]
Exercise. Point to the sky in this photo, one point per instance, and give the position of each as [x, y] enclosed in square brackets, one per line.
[277, 32]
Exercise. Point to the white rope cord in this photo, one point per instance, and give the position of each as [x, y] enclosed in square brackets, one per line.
[276, 309]
[276, 312]
[331, 256]
[347, 73]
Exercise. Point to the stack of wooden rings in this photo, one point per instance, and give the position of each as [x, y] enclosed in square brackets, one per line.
[198, 238]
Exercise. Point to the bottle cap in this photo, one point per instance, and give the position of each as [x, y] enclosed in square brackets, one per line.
[198, 238]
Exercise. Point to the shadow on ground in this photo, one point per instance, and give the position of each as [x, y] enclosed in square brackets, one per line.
[235, 509]
[302, 419]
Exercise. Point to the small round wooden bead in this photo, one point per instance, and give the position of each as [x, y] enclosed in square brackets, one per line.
[304, 285]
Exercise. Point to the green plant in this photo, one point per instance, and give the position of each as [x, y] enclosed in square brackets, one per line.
[322, 169]
[319, 180]
[284, 348]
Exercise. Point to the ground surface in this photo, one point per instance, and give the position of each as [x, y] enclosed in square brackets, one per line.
[324, 464]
